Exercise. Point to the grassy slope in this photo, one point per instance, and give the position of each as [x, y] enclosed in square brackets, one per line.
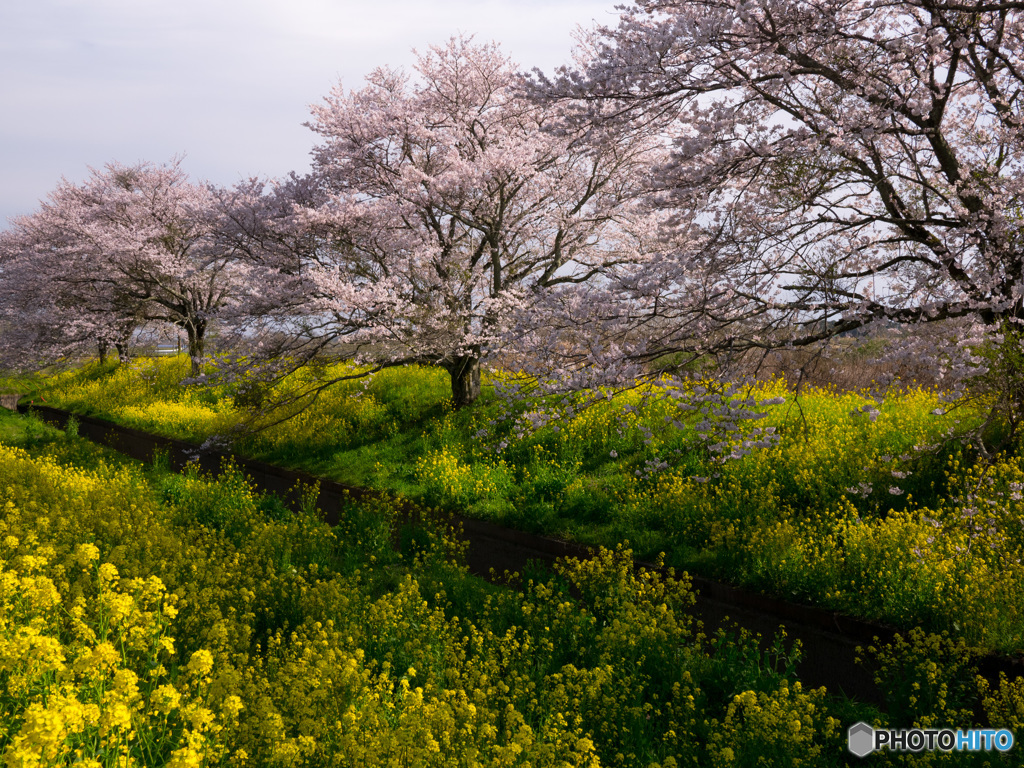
[290, 604]
[782, 519]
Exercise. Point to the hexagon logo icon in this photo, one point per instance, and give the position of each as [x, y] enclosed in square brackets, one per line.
[860, 739]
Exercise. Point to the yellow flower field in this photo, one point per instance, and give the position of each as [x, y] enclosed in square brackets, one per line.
[148, 618]
[856, 504]
[174, 620]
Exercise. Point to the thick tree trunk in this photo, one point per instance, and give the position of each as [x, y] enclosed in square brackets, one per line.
[196, 331]
[465, 373]
[103, 351]
[123, 354]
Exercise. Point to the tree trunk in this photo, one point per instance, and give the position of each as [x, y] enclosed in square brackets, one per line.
[196, 331]
[465, 373]
[103, 351]
[123, 355]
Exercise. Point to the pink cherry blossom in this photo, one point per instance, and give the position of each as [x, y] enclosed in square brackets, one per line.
[444, 205]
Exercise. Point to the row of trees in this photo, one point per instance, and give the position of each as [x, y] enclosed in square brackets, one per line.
[437, 211]
[132, 246]
[709, 175]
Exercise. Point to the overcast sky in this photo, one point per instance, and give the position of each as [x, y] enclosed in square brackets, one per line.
[227, 83]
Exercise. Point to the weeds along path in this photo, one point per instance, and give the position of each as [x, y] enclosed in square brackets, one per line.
[829, 639]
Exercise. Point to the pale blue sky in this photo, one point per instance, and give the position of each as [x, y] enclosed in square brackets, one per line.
[225, 82]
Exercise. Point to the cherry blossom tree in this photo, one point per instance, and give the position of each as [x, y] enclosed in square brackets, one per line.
[50, 310]
[835, 163]
[444, 204]
[132, 245]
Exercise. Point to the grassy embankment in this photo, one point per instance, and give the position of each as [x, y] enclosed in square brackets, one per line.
[936, 543]
[150, 618]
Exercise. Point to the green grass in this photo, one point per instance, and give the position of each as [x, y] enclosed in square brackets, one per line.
[283, 605]
[782, 520]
